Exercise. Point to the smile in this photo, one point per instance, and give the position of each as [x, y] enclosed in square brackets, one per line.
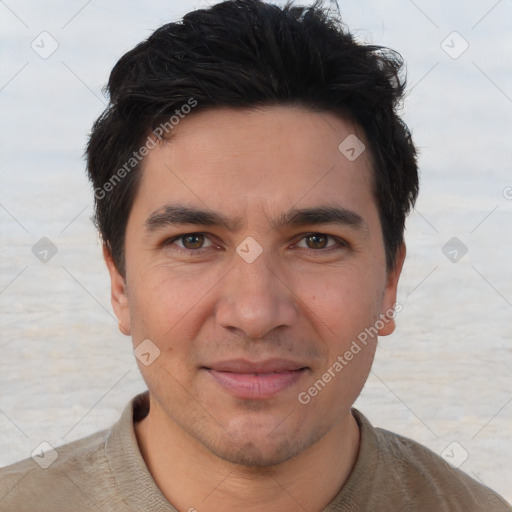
[248, 380]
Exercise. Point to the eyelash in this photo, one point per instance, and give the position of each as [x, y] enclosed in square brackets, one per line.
[340, 244]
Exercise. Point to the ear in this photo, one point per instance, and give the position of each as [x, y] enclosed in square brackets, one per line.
[119, 297]
[389, 300]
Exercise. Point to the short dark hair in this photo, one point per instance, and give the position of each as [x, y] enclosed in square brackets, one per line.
[249, 54]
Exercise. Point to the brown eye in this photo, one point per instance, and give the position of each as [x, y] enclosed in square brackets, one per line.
[193, 241]
[318, 244]
[316, 240]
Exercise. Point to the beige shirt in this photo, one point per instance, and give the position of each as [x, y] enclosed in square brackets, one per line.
[106, 472]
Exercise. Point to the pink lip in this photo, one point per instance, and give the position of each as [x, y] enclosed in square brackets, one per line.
[256, 380]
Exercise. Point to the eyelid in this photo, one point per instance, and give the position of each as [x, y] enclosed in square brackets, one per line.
[179, 237]
[340, 242]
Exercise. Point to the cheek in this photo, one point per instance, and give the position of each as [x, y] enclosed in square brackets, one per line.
[344, 301]
[169, 304]
[165, 309]
[345, 309]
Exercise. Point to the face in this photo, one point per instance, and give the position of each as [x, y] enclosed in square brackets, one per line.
[254, 261]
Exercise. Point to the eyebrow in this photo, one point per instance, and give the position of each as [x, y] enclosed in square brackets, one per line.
[171, 215]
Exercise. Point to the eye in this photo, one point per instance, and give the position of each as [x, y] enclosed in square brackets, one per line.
[318, 242]
[190, 242]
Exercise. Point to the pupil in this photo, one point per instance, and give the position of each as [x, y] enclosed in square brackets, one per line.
[192, 237]
[315, 239]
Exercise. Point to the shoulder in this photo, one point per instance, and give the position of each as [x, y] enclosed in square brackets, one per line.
[431, 477]
[98, 472]
[406, 472]
[56, 473]
[58, 459]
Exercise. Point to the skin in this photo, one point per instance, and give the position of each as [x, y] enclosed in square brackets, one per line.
[205, 448]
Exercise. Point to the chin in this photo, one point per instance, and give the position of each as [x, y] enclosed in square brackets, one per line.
[254, 456]
[263, 451]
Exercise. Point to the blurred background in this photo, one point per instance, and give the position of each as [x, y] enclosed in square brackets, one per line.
[443, 378]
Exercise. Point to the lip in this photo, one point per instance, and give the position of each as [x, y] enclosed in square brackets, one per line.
[256, 380]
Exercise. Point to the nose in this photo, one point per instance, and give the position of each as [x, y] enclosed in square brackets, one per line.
[256, 298]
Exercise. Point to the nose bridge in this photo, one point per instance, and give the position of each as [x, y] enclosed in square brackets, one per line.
[255, 298]
[258, 271]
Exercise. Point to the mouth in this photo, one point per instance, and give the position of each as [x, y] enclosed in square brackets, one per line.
[255, 380]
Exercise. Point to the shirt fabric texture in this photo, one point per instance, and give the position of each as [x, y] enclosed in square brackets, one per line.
[106, 472]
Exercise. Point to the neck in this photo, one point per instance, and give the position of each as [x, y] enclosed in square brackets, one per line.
[194, 479]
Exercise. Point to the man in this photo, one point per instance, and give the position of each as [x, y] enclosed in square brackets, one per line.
[252, 180]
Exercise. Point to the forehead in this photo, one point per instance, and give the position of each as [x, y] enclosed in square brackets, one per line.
[253, 162]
